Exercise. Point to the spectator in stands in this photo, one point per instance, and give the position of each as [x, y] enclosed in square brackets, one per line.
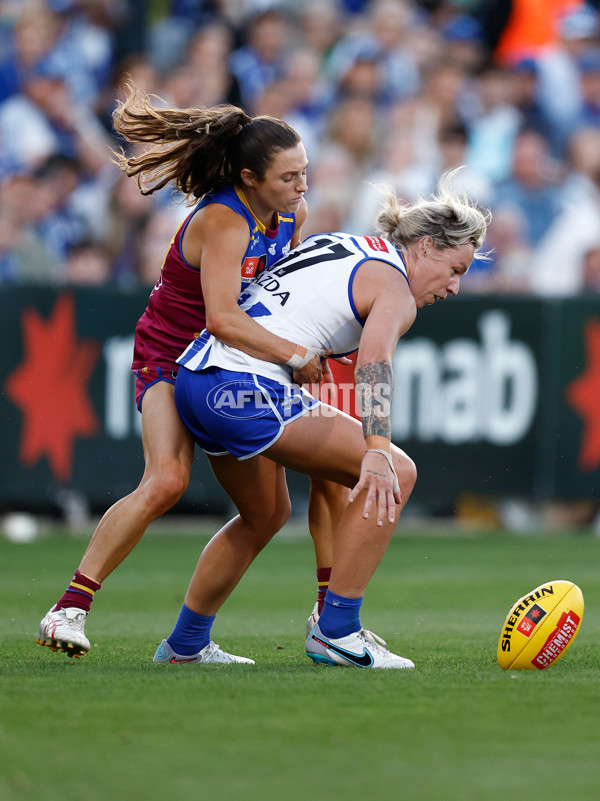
[23, 257]
[583, 165]
[344, 158]
[309, 98]
[35, 33]
[208, 59]
[125, 221]
[435, 108]
[140, 69]
[83, 52]
[330, 191]
[559, 264]
[170, 33]
[179, 87]
[411, 180]
[525, 207]
[363, 76]
[559, 81]
[415, 63]
[58, 222]
[589, 69]
[465, 44]
[44, 120]
[153, 242]
[522, 79]
[494, 125]
[321, 26]
[261, 59]
[87, 265]
[531, 192]
[386, 33]
[394, 166]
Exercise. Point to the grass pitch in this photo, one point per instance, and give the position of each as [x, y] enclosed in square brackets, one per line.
[114, 726]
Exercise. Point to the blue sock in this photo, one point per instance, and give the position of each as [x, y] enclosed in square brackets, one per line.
[191, 632]
[340, 616]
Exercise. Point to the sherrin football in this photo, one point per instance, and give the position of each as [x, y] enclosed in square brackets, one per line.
[540, 626]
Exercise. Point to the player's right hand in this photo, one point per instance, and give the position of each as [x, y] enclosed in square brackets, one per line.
[311, 373]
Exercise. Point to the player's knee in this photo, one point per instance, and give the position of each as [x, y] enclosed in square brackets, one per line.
[165, 488]
[406, 470]
[278, 517]
[267, 521]
[175, 484]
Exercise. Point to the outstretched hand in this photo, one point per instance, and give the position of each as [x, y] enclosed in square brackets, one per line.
[378, 479]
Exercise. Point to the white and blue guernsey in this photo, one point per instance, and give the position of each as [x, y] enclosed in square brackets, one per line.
[236, 403]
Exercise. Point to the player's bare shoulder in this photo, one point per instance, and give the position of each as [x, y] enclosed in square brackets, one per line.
[217, 217]
[383, 282]
[213, 224]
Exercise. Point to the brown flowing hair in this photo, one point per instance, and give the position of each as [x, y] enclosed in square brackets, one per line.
[199, 150]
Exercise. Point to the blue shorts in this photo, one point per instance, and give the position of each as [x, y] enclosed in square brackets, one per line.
[238, 413]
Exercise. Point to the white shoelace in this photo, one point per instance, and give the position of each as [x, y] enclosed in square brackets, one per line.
[77, 621]
[375, 640]
[211, 648]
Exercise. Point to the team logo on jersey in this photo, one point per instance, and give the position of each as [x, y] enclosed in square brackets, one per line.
[252, 266]
[375, 243]
[272, 249]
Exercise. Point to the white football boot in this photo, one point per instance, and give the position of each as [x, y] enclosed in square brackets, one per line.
[361, 649]
[63, 631]
[312, 618]
[211, 654]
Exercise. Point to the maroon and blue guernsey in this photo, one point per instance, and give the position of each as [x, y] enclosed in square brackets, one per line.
[175, 314]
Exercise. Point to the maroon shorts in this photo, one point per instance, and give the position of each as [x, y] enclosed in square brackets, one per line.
[149, 375]
[342, 393]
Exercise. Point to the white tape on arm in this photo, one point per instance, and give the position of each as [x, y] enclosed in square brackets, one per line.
[297, 362]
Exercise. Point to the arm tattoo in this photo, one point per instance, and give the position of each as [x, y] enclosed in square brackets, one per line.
[374, 384]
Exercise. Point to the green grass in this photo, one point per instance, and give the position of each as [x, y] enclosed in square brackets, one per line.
[114, 726]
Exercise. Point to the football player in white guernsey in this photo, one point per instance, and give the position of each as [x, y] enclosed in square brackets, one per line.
[332, 294]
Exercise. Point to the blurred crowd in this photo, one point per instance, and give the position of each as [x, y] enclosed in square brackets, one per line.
[385, 93]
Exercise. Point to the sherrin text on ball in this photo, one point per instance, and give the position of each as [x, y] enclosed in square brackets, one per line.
[540, 626]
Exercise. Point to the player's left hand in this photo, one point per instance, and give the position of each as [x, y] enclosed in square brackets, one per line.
[378, 481]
